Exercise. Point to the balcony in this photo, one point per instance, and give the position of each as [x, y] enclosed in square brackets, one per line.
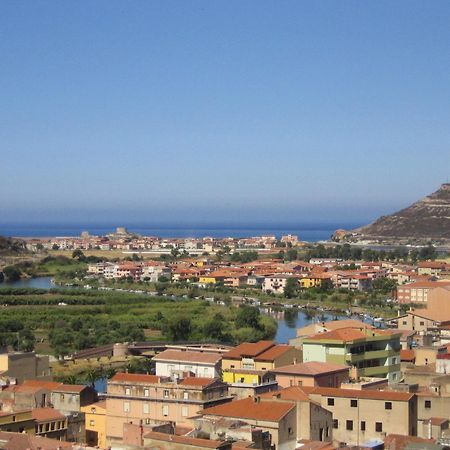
[374, 354]
[378, 370]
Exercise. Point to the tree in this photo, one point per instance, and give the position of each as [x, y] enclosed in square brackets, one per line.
[77, 254]
[55, 247]
[291, 254]
[291, 288]
[248, 316]
[179, 328]
[11, 273]
[384, 285]
[215, 327]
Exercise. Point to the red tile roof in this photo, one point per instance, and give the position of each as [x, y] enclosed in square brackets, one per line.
[188, 356]
[46, 414]
[248, 349]
[197, 381]
[184, 440]
[399, 441]
[273, 353]
[248, 408]
[135, 378]
[363, 394]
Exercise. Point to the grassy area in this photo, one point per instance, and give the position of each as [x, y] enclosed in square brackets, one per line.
[64, 321]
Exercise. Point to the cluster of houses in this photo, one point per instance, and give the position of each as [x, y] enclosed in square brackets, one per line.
[126, 241]
[272, 275]
[337, 384]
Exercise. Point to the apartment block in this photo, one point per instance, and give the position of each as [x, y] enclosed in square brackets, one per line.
[151, 399]
[373, 352]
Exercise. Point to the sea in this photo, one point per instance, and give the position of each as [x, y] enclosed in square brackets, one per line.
[309, 232]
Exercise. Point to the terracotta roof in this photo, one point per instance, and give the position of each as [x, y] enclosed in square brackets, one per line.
[399, 441]
[332, 325]
[50, 385]
[305, 444]
[407, 355]
[249, 349]
[189, 356]
[273, 353]
[21, 441]
[436, 421]
[135, 378]
[248, 408]
[184, 440]
[311, 368]
[77, 388]
[197, 381]
[350, 334]
[46, 414]
[293, 393]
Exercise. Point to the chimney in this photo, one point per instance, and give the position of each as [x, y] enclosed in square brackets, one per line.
[256, 399]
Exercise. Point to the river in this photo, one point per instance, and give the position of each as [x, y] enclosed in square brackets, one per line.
[287, 324]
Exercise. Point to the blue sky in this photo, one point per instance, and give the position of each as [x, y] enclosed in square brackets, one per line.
[176, 111]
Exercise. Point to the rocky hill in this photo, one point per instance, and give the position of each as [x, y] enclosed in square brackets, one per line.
[425, 220]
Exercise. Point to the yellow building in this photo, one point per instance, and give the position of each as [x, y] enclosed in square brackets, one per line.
[95, 423]
[17, 422]
[207, 279]
[310, 282]
[248, 362]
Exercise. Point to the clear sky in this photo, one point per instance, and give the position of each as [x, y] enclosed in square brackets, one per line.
[221, 110]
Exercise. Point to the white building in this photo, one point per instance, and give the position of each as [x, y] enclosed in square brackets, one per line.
[202, 364]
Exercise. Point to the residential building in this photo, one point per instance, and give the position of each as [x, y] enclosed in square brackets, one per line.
[151, 399]
[262, 355]
[95, 423]
[313, 421]
[360, 416]
[275, 417]
[417, 292]
[372, 352]
[200, 363]
[25, 366]
[312, 373]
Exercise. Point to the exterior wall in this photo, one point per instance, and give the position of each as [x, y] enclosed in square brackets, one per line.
[18, 422]
[427, 355]
[414, 322]
[433, 405]
[155, 404]
[326, 380]
[25, 366]
[166, 369]
[401, 419]
[317, 352]
[95, 424]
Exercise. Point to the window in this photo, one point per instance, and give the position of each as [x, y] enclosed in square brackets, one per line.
[148, 421]
[146, 408]
[335, 423]
[165, 410]
[422, 323]
[91, 423]
[427, 404]
[185, 395]
[61, 397]
[184, 411]
[330, 401]
[127, 391]
[353, 403]
[290, 430]
[146, 393]
[363, 425]
[405, 322]
[378, 427]
[126, 407]
[387, 405]
[349, 425]
[166, 393]
[231, 366]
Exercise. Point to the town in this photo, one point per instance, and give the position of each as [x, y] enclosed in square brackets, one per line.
[342, 383]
